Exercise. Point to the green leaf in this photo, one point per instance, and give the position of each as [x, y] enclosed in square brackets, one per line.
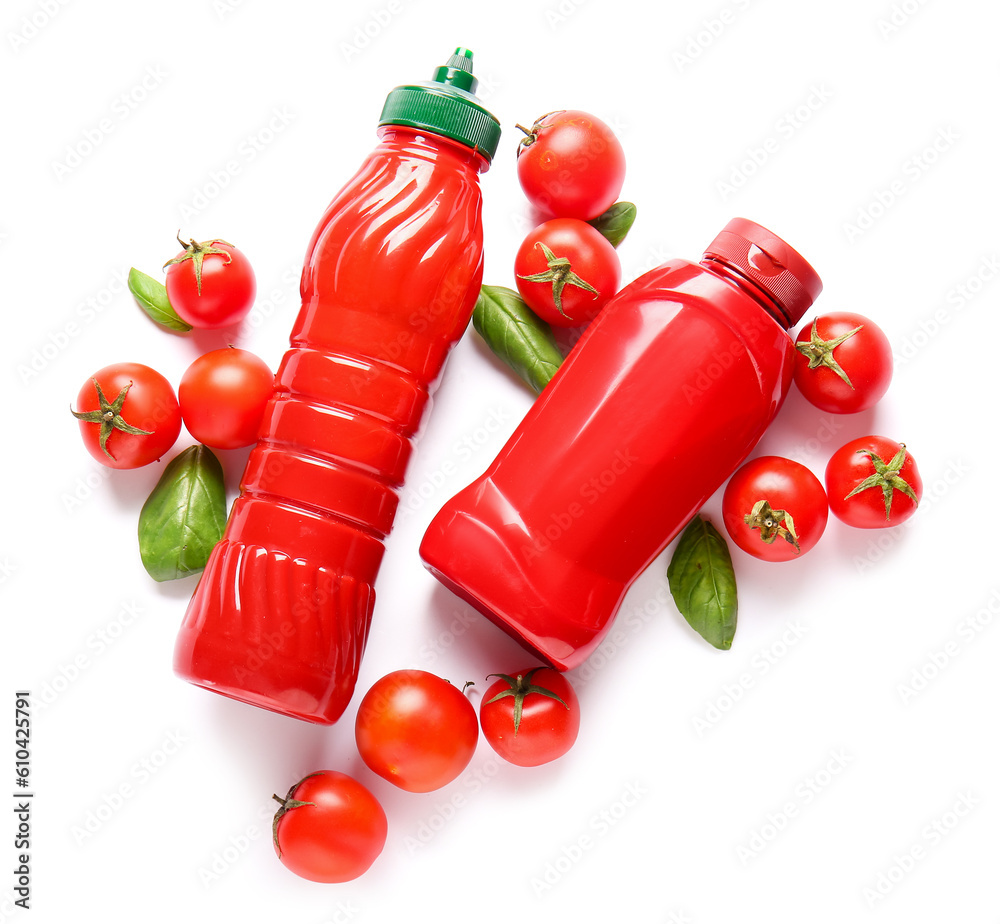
[516, 335]
[184, 516]
[615, 223]
[703, 583]
[152, 298]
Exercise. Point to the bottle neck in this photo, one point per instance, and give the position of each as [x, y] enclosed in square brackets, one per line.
[420, 142]
[746, 285]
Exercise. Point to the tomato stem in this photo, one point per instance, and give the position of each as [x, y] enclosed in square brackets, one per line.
[109, 416]
[560, 274]
[196, 253]
[519, 687]
[886, 477]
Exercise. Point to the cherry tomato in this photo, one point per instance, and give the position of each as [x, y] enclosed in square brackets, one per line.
[223, 395]
[128, 415]
[531, 717]
[570, 164]
[774, 508]
[567, 271]
[873, 482]
[416, 730]
[210, 284]
[843, 362]
[329, 828]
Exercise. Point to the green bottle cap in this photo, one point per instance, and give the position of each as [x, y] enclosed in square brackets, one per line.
[446, 105]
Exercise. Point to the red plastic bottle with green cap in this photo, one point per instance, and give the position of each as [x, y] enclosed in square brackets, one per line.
[659, 402]
[281, 614]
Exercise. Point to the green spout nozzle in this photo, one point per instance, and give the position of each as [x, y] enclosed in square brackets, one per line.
[457, 72]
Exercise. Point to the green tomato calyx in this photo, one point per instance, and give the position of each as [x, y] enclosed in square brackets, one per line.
[559, 274]
[109, 416]
[772, 523]
[196, 253]
[288, 804]
[886, 477]
[519, 687]
[819, 352]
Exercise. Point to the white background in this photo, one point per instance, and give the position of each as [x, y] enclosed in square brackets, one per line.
[792, 778]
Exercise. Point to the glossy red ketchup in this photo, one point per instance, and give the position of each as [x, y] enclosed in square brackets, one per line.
[281, 614]
[658, 403]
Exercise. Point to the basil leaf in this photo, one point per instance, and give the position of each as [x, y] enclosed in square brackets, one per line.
[152, 298]
[516, 335]
[184, 516]
[615, 223]
[703, 583]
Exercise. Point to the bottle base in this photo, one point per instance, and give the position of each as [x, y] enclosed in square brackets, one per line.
[557, 610]
[275, 632]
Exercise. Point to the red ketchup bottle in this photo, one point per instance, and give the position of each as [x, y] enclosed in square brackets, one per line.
[281, 614]
[658, 403]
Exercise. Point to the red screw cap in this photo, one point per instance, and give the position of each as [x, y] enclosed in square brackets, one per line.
[770, 264]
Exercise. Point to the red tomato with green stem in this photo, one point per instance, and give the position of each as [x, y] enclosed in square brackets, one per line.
[210, 284]
[873, 482]
[570, 164]
[843, 362]
[329, 828]
[775, 508]
[416, 730]
[223, 395]
[128, 414]
[532, 717]
[567, 271]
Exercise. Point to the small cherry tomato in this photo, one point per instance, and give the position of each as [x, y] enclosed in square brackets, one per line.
[416, 730]
[774, 508]
[873, 482]
[128, 415]
[329, 828]
[570, 164]
[843, 362]
[210, 284]
[532, 717]
[223, 395]
[567, 271]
